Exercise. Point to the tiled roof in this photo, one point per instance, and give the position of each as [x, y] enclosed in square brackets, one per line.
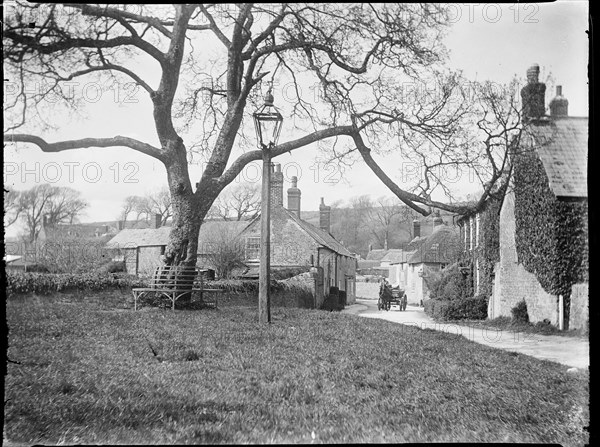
[562, 145]
[132, 238]
[442, 246]
[322, 237]
[376, 255]
[366, 264]
[393, 255]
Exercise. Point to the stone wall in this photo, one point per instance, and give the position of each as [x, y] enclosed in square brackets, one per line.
[512, 282]
[579, 318]
[290, 246]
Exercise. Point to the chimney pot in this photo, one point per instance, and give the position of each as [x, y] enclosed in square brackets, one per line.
[276, 186]
[157, 221]
[533, 74]
[533, 94]
[324, 216]
[416, 228]
[294, 195]
[559, 106]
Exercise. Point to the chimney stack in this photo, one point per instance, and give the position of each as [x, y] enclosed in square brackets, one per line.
[559, 106]
[324, 216]
[276, 185]
[416, 228]
[120, 225]
[533, 94]
[437, 221]
[294, 194]
[157, 220]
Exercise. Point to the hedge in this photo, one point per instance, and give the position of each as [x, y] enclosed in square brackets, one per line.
[283, 293]
[47, 283]
[460, 309]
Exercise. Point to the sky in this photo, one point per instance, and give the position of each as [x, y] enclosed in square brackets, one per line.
[487, 41]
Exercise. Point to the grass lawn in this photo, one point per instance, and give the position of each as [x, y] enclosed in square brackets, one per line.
[507, 324]
[88, 374]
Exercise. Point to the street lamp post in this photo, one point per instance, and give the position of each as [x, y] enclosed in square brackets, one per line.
[267, 122]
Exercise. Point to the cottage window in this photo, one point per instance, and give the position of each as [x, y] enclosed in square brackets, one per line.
[477, 276]
[471, 233]
[477, 231]
[253, 248]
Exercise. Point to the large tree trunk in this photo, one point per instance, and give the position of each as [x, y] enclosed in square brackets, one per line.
[189, 210]
[182, 250]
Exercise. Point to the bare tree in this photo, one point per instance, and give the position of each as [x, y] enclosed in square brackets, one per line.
[129, 206]
[64, 206]
[241, 202]
[223, 251]
[347, 51]
[12, 208]
[33, 204]
[158, 202]
[382, 217]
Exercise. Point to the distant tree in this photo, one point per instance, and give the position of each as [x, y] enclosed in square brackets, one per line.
[381, 216]
[241, 202]
[158, 202]
[64, 206]
[33, 203]
[129, 206]
[12, 209]
[54, 203]
[224, 251]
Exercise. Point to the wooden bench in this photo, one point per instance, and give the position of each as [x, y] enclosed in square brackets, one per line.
[173, 282]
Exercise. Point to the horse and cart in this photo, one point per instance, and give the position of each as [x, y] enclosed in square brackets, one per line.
[389, 296]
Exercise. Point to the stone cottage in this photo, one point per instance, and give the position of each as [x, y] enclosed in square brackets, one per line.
[543, 229]
[411, 267]
[297, 243]
[141, 249]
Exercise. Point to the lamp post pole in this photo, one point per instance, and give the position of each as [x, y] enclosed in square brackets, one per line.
[264, 295]
[267, 122]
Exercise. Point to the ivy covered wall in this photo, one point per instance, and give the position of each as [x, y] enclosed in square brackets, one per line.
[486, 250]
[551, 234]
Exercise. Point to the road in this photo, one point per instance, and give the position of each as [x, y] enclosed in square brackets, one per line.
[570, 351]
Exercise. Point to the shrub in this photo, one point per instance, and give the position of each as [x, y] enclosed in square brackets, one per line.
[519, 312]
[113, 267]
[467, 309]
[451, 284]
[436, 308]
[458, 309]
